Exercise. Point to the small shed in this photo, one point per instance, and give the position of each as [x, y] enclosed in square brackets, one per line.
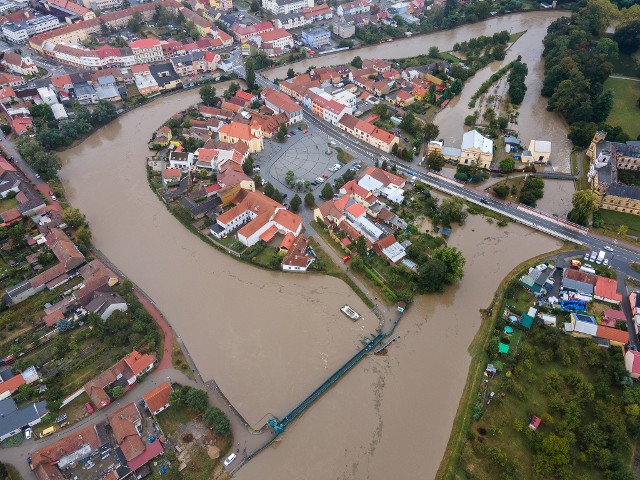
[526, 321]
[503, 348]
[446, 231]
[535, 423]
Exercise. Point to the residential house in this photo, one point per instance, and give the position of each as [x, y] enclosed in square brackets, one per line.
[389, 248]
[85, 93]
[157, 400]
[13, 418]
[476, 150]
[165, 76]
[9, 383]
[123, 374]
[256, 217]
[632, 363]
[50, 461]
[344, 29]
[579, 282]
[318, 13]
[274, 42]
[162, 136]
[381, 182]
[181, 160]
[126, 424]
[298, 255]
[606, 290]
[231, 174]
[289, 21]
[7, 94]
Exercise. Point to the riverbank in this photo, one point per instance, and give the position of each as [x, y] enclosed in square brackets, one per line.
[477, 350]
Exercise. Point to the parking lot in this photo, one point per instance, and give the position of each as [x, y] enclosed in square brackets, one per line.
[303, 153]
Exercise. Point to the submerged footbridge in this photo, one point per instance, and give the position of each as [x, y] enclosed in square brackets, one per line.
[279, 425]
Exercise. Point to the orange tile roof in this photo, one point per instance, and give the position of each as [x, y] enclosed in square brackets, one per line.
[145, 43]
[269, 233]
[288, 220]
[158, 397]
[12, 384]
[356, 210]
[287, 241]
[236, 130]
[139, 362]
[607, 288]
[612, 334]
[123, 425]
[67, 445]
[384, 176]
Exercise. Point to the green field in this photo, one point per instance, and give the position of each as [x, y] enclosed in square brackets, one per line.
[625, 113]
[613, 220]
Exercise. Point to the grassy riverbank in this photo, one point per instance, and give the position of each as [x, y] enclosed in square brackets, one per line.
[479, 360]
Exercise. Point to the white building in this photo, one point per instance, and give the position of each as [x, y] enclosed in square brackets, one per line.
[48, 96]
[19, 32]
[279, 7]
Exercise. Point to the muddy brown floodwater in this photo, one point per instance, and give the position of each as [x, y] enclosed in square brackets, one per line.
[269, 338]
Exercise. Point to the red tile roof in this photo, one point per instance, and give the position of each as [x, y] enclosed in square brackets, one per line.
[123, 425]
[613, 334]
[12, 384]
[139, 362]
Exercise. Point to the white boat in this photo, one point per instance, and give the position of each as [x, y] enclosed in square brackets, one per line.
[350, 312]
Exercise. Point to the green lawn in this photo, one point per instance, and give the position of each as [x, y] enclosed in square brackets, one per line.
[625, 113]
[613, 220]
[7, 204]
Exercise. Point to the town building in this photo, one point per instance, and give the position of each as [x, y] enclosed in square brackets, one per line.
[278, 7]
[13, 418]
[476, 150]
[255, 217]
[344, 29]
[241, 132]
[316, 37]
[157, 400]
[539, 151]
[368, 133]
[19, 32]
[20, 64]
[611, 161]
[354, 8]
[278, 102]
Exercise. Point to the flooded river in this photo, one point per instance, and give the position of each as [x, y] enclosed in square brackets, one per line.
[269, 338]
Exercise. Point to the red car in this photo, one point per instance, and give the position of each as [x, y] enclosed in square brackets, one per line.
[89, 408]
[325, 176]
[305, 131]
[346, 259]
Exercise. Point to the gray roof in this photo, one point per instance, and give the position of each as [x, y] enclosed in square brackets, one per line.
[83, 89]
[13, 418]
[106, 92]
[107, 80]
[577, 286]
[511, 140]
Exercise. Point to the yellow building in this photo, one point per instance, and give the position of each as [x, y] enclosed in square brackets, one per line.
[608, 160]
[476, 150]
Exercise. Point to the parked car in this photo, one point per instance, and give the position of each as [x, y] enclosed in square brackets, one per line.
[605, 262]
[305, 131]
[324, 175]
[89, 408]
[28, 433]
[229, 459]
[61, 418]
[608, 248]
[53, 197]
[346, 258]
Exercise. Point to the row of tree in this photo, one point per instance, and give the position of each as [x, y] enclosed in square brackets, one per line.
[516, 78]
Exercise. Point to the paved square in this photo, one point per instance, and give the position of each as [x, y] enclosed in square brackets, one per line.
[304, 153]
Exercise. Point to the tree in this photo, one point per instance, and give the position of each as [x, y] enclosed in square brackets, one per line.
[408, 123]
[268, 190]
[63, 325]
[507, 165]
[452, 210]
[434, 52]
[296, 201]
[197, 399]
[116, 392]
[247, 166]
[501, 191]
[103, 113]
[553, 453]
[217, 421]
[83, 234]
[74, 217]
[290, 178]
[46, 164]
[356, 62]
[456, 86]
[361, 246]
[231, 91]
[136, 22]
[584, 203]
[208, 94]
[453, 260]
[250, 74]
[327, 191]
[291, 73]
[281, 136]
[309, 200]
[622, 230]
[432, 277]
[435, 160]
[430, 131]
[255, 6]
